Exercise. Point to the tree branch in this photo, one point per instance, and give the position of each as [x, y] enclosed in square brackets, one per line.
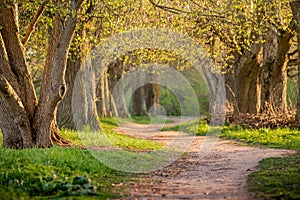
[34, 21]
[293, 53]
[169, 9]
[16, 56]
[293, 62]
[17, 108]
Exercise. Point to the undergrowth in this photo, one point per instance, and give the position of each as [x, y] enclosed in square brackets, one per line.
[69, 173]
[55, 172]
[108, 137]
[148, 120]
[277, 178]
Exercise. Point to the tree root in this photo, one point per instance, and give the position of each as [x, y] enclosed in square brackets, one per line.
[57, 138]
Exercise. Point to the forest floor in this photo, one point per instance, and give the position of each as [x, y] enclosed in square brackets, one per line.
[220, 174]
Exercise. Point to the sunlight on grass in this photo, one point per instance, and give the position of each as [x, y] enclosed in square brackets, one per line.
[146, 120]
[55, 172]
[123, 152]
[278, 138]
[108, 138]
[137, 162]
[61, 172]
[277, 178]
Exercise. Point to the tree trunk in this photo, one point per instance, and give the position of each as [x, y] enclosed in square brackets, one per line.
[138, 102]
[230, 86]
[274, 72]
[247, 77]
[18, 99]
[156, 98]
[90, 95]
[64, 113]
[116, 73]
[53, 87]
[101, 96]
[295, 5]
[149, 96]
[23, 122]
[79, 69]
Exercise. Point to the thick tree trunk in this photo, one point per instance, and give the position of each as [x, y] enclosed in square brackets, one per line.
[295, 5]
[149, 96]
[274, 73]
[16, 57]
[90, 96]
[17, 95]
[64, 113]
[138, 102]
[247, 77]
[22, 121]
[53, 86]
[101, 96]
[83, 103]
[116, 72]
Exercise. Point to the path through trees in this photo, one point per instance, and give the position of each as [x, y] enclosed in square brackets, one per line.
[222, 174]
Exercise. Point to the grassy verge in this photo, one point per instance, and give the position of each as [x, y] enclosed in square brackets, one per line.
[277, 178]
[287, 138]
[143, 155]
[278, 138]
[109, 137]
[55, 172]
[193, 127]
[148, 120]
[68, 173]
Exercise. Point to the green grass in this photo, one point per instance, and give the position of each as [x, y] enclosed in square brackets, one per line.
[72, 173]
[148, 120]
[55, 172]
[277, 178]
[193, 127]
[109, 137]
[287, 138]
[143, 155]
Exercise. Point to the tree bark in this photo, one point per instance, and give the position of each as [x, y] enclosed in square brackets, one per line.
[149, 96]
[16, 56]
[23, 122]
[274, 73]
[101, 96]
[138, 102]
[295, 5]
[18, 99]
[247, 82]
[90, 95]
[79, 69]
[156, 98]
[64, 112]
[116, 72]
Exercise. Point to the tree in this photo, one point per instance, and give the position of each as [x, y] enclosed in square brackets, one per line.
[24, 120]
[80, 78]
[250, 41]
[295, 5]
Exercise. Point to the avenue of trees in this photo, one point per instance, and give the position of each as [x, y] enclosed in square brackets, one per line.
[45, 45]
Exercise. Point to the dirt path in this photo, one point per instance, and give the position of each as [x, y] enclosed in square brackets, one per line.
[221, 174]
